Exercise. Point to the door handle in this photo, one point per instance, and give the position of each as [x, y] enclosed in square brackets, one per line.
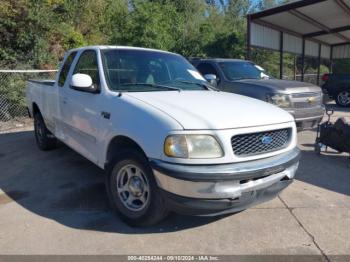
[106, 115]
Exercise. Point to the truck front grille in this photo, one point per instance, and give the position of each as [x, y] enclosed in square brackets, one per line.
[306, 100]
[261, 142]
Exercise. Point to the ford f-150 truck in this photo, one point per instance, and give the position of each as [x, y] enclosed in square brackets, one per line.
[303, 100]
[167, 140]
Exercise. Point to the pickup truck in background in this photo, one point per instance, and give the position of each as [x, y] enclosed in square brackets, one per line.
[303, 100]
[337, 87]
[167, 140]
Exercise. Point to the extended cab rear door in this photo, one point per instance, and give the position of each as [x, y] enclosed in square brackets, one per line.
[80, 110]
[61, 82]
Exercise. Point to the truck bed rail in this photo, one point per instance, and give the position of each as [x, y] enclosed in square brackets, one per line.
[43, 82]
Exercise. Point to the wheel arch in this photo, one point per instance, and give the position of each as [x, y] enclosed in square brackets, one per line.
[119, 143]
[35, 109]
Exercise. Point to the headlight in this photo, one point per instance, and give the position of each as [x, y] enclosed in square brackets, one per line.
[280, 100]
[192, 146]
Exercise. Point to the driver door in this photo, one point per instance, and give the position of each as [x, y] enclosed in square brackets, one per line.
[80, 111]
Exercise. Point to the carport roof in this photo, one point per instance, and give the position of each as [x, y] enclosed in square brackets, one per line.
[323, 21]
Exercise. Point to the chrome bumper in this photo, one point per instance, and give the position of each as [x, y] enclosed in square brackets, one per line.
[307, 114]
[225, 181]
[307, 118]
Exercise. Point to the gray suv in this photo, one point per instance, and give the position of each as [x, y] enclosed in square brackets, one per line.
[303, 100]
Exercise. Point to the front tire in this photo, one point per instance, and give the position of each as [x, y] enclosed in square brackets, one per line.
[343, 98]
[44, 138]
[133, 191]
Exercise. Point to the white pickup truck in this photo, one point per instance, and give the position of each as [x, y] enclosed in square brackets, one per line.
[167, 140]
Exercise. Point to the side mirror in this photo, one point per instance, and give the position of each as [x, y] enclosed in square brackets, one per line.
[264, 76]
[83, 82]
[211, 78]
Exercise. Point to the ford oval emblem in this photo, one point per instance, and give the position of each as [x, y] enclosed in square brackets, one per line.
[266, 140]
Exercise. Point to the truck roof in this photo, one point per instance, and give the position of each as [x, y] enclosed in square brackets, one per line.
[102, 47]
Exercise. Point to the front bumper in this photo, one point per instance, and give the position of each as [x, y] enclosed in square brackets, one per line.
[307, 118]
[224, 188]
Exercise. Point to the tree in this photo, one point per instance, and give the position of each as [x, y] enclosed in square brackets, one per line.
[36, 33]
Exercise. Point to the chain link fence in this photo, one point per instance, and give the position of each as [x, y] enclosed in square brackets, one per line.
[13, 111]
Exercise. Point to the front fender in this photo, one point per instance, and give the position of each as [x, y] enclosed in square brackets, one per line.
[142, 123]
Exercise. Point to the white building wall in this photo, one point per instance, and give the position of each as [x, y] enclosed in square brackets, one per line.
[292, 44]
[311, 48]
[265, 37]
[341, 52]
[262, 36]
[325, 51]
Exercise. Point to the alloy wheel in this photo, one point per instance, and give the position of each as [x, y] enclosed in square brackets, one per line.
[344, 98]
[133, 187]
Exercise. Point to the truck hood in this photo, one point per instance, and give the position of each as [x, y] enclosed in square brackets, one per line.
[213, 110]
[278, 85]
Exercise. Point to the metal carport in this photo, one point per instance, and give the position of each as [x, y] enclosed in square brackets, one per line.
[315, 28]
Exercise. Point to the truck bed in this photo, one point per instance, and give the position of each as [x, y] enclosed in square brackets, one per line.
[43, 94]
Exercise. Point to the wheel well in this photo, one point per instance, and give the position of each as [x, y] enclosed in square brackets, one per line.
[121, 142]
[35, 109]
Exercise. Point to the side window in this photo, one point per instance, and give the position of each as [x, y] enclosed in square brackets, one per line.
[206, 68]
[65, 69]
[87, 64]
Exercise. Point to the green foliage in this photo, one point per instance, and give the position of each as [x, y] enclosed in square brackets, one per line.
[148, 24]
[12, 96]
[37, 33]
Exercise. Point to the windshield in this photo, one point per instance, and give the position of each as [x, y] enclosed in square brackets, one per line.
[242, 70]
[144, 70]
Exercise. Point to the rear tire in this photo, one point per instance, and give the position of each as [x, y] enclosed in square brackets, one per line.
[44, 138]
[133, 191]
[343, 98]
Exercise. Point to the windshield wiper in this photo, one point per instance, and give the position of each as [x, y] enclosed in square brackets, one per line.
[208, 87]
[152, 85]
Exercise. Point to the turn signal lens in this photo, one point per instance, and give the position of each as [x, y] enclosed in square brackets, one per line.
[176, 146]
